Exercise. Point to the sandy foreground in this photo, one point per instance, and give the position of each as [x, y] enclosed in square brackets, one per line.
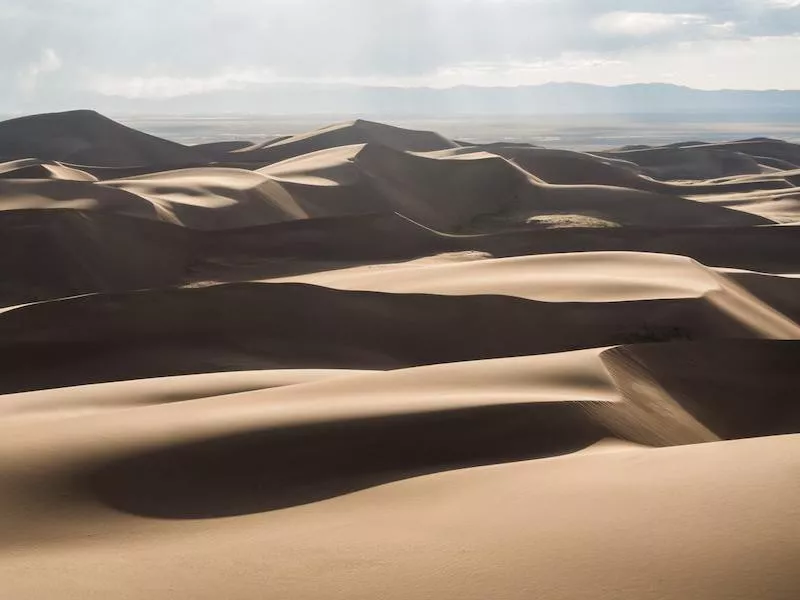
[370, 362]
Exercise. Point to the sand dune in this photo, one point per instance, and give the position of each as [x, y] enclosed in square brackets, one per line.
[343, 134]
[213, 198]
[713, 382]
[584, 277]
[504, 531]
[203, 459]
[570, 168]
[221, 150]
[31, 168]
[86, 137]
[370, 362]
[780, 206]
[51, 253]
[569, 277]
[177, 332]
[418, 185]
[317, 245]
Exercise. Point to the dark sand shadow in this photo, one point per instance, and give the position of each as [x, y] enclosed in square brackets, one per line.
[274, 469]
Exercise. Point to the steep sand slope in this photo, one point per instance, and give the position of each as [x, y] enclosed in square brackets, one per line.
[735, 389]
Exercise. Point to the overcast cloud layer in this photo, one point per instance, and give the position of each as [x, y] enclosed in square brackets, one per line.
[168, 48]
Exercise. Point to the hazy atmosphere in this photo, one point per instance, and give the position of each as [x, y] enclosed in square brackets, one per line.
[56, 52]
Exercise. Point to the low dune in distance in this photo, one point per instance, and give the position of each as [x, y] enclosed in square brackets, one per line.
[371, 362]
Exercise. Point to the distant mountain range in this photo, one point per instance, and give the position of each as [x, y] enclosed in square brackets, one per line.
[551, 98]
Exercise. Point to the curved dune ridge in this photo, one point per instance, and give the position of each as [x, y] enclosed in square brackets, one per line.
[31, 168]
[371, 362]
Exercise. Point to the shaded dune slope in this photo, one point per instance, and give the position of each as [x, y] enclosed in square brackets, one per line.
[392, 237]
[56, 253]
[77, 251]
[735, 389]
[184, 331]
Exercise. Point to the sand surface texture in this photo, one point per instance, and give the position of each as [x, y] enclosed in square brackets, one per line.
[367, 362]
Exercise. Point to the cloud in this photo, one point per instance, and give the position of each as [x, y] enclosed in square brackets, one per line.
[783, 3]
[158, 48]
[174, 87]
[645, 23]
[48, 62]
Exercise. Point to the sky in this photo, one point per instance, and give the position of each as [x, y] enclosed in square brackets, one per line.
[173, 48]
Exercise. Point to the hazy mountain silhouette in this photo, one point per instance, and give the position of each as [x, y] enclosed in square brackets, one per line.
[551, 98]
